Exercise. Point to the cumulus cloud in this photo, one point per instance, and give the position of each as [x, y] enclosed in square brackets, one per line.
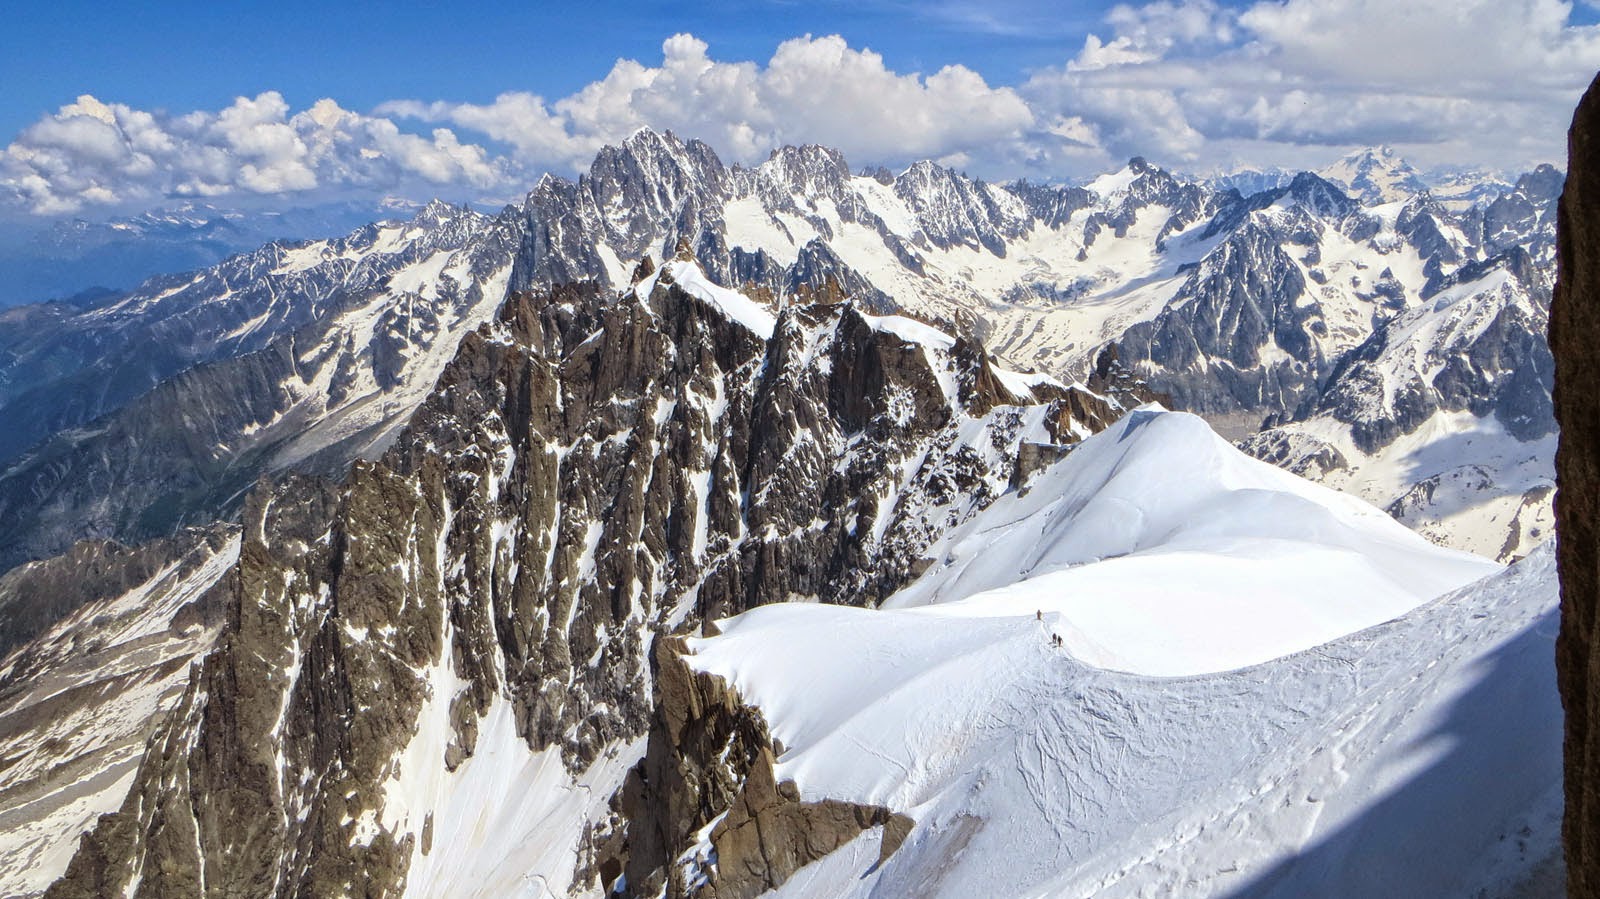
[1290, 82]
[1189, 83]
[1462, 47]
[91, 153]
[813, 90]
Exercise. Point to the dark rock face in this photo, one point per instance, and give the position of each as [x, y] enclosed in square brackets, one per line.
[303, 357]
[709, 755]
[1304, 455]
[1054, 206]
[171, 404]
[257, 341]
[1487, 358]
[96, 361]
[673, 193]
[589, 472]
[132, 622]
[1525, 216]
[1574, 334]
[955, 211]
[703, 744]
[1208, 349]
[1152, 186]
[770, 833]
[1251, 341]
[34, 596]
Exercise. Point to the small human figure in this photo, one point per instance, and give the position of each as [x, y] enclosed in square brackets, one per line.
[1039, 615]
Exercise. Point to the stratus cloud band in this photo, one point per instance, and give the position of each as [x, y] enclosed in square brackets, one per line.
[1484, 82]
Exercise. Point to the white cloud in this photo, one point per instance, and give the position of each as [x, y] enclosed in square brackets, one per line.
[95, 154]
[1189, 83]
[1473, 47]
[1292, 82]
[813, 90]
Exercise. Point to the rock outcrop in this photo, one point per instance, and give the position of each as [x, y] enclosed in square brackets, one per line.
[80, 701]
[1574, 335]
[603, 464]
[592, 470]
[703, 814]
[306, 355]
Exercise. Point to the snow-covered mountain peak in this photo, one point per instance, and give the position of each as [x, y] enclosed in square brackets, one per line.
[1544, 181]
[1320, 196]
[810, 171]
[1376, 175]
[658, 161]
[648, 141]
[603, 463]
[436, 212]
[928, 185]
[1249, 181]
[1461, 189]
[1137, 178]
[1382, 153]
[1296, 621]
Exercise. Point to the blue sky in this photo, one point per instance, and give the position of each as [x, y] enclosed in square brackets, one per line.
[300, 101]
[202, 55]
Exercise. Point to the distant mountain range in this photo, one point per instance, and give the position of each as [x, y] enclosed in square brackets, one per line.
[442, 523]
[77, 260]
[1251, 310]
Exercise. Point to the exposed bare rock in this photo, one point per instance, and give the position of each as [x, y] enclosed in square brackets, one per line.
[1574, 334]
[590, 471]
[36, 595]
[710, 765]
[80, 701]
[770, 833]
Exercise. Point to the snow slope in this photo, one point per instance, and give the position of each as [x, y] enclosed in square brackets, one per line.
[1376, 174]
[1163, 550]
[736, 306]
[1458, 479]
[1471, 467]
[78, 704]
[1034, 771]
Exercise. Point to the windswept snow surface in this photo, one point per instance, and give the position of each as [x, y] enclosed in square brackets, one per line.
[1402, 759]
[509, 822]
[1158, 548]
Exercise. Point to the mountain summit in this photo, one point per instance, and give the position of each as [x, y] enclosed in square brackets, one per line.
[1376, 175]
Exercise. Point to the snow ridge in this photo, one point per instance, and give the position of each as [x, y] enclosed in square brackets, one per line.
[1032, 770]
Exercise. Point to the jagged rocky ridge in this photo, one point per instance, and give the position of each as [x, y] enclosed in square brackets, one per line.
[161, 409]
[588, 472]
[81, 262]
[584, 461]
[304, 356]
[1254, 311]
[1443, 414]
[710, 769]
[79, 703]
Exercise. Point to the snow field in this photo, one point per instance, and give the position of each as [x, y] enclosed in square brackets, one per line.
[1315, 703]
